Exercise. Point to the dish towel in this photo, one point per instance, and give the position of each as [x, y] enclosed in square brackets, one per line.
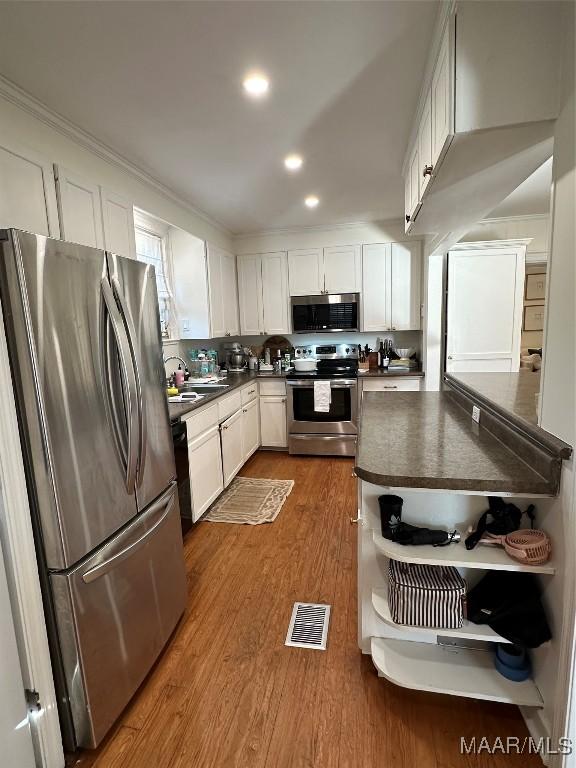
[322, 396]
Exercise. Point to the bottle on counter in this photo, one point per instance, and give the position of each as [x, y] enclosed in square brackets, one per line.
[381, 355]
[179, 376]
[186, 374]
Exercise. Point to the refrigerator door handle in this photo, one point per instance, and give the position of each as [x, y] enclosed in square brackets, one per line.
[131, 332]
[130, 389]
[163, 505]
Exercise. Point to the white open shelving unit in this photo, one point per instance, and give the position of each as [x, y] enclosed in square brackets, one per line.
[487, 557]
[467, 631]
[448, 669]
[458, 662]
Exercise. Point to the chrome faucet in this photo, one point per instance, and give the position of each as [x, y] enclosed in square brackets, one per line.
[175, 357]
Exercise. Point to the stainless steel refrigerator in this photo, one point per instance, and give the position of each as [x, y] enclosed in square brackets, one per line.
[86, 357]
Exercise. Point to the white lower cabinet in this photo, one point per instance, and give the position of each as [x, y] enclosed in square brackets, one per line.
[232, 446]
[205, 461]
[273, 421]
[250, 429]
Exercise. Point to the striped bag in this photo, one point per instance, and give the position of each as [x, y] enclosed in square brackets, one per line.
[426, 595]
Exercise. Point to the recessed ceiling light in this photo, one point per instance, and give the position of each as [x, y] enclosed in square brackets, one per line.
[293, 162]
[311, 201]
[256, 84]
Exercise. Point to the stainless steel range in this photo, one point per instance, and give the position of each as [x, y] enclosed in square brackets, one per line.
[332, 431]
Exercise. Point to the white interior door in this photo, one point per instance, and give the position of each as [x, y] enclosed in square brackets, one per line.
[118, 220]
[342, 269]
[27, 192]
[250, 295]
[376, 287]
[80, 209]
[275, 295]
[485, 290]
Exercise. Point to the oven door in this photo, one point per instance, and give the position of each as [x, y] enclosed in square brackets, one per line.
[339, 420]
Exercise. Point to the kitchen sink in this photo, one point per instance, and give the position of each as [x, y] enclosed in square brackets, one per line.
[203, 389]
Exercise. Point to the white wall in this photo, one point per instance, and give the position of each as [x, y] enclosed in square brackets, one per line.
[320, 237]
[20, 127]
[554, 666]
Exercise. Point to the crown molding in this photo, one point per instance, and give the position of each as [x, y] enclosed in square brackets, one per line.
[527, 217]
[21, 98]
[318, 228]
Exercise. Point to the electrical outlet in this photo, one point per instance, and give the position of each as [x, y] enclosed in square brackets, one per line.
[476, 414]
[185, 325]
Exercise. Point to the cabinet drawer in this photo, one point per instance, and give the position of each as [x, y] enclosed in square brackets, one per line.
[277, 387]
[200, 422]
[228, 405]
[249, 393]
[392, 384]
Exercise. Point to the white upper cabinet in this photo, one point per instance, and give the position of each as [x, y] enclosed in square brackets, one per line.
[342, 269]
[391, 286]
[306, 272]
[118, 220]
[442, 99]
[80, 209]
[223, 292]
[190, 284]
[406, 267]
[263, 294]
[250, 295]
[230, 294]
[275, 295]
[376, 286]
[27, 192]
[426, 166]
[314, 271]
[215, 291]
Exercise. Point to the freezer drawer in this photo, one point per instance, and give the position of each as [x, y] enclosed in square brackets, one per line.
[115, 613]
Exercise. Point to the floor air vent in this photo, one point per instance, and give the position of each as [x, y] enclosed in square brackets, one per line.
[309, 626]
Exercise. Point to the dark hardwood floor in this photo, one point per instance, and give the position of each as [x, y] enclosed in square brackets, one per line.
[228, 693]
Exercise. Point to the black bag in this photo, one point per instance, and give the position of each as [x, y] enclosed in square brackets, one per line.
[509, 602]
[504, 518]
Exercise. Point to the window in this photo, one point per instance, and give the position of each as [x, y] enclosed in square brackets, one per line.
[151, 249]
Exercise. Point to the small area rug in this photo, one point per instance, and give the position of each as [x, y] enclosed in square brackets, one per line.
[251, 501]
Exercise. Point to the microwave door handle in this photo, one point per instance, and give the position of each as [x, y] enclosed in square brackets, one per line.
[129, 383]
[131, 332]
[103, 568]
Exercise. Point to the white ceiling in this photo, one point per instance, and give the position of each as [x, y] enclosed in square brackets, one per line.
[532, 196]
[160, 82]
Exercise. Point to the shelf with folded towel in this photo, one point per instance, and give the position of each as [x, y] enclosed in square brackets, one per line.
[451, 670]
[482, 556]
[468, 631]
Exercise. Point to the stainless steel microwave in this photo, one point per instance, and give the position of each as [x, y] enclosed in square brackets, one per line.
[327, 313]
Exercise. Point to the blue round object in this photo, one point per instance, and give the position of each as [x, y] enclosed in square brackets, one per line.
[514, 660]
[517, 675]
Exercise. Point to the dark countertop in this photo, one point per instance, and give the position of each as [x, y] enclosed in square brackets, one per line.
[377, 373]
[515, 392]
[235, 380]
[426, 440]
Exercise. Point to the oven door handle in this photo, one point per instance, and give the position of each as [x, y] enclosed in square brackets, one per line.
[334, 384]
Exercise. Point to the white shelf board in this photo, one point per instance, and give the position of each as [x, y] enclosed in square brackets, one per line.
[468, 631]
[449, 670]
[487, 557]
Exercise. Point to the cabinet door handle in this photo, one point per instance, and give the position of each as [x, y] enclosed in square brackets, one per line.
[393, 327]
[283, 400]
[388, 386]
[407, 217]
[355, 519]
[244, 410]
[427, 170]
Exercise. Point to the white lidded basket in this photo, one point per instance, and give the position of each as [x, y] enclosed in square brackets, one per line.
[426, 595]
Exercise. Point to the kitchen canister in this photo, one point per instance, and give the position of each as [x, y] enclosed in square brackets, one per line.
[426, 595]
